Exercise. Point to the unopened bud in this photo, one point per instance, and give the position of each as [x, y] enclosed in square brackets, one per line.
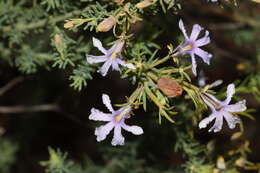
[58, 41]
[169, 87]
[107, 24]
[241, 67]
[236, 135]
[69, 24]
[144, 4]
[221, 163]
[241, 162]
[215, 170]
[119, 1]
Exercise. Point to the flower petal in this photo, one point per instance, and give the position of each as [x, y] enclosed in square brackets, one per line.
[136, 130]
[115, 66]
[97, 115]
[123, 63]
[118, 139]
[95, 59]
[105, 67]
[203, 54]
[129, 65]
[204, 40]
[237, 107]
[97, 43]
[102, 131]
[230, 92]
[203, 123]
[181, 26]
[117, 47]
[195, 32]
[194, 64]
[231, 120]
[218, 123]
[107, 102]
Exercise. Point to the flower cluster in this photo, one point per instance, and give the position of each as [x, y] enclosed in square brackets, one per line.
[191, 46]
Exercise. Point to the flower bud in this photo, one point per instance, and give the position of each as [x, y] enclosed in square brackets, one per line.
[58, 41]
[241, 162]
[106, 24]
[144, 4]
[119, 1]
[169, 87]
[68, 24]
[236, 135]
[221, 163]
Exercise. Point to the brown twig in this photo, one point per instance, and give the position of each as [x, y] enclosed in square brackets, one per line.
[22, 108]
[10, 85]
[38, 108]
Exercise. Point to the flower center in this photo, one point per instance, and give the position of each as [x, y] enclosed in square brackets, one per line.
[118, 49]
[118, 117]
[114, 55]
[188, 47]
[122, 113]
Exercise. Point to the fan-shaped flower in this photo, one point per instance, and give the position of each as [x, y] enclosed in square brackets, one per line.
[111, 57]
[192, 45]
[116, 120]
[222, 109]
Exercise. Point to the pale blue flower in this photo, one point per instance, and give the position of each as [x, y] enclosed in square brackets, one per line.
[192, 45]
[111, 57]
[222, 109]
[116, 121]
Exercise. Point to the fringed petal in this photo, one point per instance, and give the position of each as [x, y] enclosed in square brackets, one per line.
[107, 102]
[203, 54]
[97, 43]
[102, 131]
[136, 130]
[97, 115]
[118, 139]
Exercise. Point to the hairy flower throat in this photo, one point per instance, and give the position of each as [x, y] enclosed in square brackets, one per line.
[123, 113]
[188, 47]
[118, 49]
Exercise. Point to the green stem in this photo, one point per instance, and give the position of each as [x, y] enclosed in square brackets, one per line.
[135, 95]
[191, 86]
[153, 97]
[160, 61]
[152, 76]
[163, 60]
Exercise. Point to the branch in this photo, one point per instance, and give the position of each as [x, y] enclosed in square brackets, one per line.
[22, 108]
[40, 23]
[10, 85]
[38, 108]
